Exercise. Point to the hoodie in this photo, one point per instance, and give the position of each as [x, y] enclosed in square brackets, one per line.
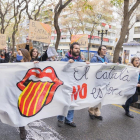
[98, 59]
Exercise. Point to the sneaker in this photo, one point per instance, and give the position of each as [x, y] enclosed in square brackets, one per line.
[22, 133]
[129, 115]
[72, 124]
[60, 123]
[99, 117]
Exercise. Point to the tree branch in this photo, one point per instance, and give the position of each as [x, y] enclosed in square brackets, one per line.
[133, 8]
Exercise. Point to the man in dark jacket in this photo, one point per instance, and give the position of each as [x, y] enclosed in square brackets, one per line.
[6, 60]
[94, 112]
[72, 56]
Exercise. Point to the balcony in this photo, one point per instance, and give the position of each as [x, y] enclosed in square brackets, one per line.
[104, 43]
[98, 42]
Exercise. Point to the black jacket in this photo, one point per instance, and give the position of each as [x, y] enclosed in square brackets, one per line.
[42, 58]
[138, 88]
[6, 60]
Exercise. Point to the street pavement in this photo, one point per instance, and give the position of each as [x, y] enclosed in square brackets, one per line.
[115, 126]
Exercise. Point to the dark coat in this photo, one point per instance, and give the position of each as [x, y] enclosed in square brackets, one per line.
[43, 57]
[6, 60]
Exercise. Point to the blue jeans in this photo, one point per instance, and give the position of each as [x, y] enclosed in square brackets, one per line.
[69, 117]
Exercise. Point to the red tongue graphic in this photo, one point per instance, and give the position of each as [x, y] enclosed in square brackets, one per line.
[33, 97]
[36, 95]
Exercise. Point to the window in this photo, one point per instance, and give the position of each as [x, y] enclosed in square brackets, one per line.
[113, 34]
[137, 30]
[96, 39]
[95, 46]
[109, 48]
[138, 18]
[110, 41]
[137, 39]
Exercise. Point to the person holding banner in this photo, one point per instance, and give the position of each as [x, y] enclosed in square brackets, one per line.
[35, 55]
[6, 59]
[135, 61]
[23, 56]
[94, 112]
[72, 56]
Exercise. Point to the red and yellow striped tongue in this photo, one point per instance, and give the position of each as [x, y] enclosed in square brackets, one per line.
[33, 98]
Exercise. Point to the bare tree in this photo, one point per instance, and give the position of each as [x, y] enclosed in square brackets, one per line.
[34, 13]
[19, 7]
[5, 14]
[71, 25]
[57, 11]
[127, 13]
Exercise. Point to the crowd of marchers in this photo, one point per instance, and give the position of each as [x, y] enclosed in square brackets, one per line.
[72, 56]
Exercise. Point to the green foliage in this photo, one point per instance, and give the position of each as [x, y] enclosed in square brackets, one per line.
[87, 6]
[117, 3]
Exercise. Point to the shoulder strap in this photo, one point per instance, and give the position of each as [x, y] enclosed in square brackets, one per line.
[97, 59]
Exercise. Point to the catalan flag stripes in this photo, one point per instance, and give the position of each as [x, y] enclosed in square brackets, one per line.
[33, 97]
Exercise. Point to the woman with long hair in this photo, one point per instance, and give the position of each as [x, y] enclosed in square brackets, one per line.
[136, 63]
[23, 56]
[35, 55]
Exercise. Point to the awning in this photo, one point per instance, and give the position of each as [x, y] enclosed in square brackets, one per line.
[131, 43]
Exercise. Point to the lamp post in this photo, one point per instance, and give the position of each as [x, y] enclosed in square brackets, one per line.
[102, 32]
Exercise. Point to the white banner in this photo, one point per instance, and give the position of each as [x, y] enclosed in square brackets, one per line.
[30, 92]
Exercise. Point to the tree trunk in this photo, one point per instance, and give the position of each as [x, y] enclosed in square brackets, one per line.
[127, 14]
[13, 43]
[89, 45]
[56, 25]
[127, 36]
[121, 41]
[124, 30]
[58, 9]
[15, 29]
[2, 26]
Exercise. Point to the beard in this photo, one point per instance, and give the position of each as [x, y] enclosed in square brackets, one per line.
[75, 54]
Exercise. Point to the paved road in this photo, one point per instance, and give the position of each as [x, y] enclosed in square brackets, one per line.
[115, 126]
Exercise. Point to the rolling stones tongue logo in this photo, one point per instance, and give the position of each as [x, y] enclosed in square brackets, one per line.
[36, 94]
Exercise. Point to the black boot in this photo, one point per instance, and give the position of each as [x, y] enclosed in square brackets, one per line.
[99, 117]
[91, 116]
[22, 133]
[129, 115]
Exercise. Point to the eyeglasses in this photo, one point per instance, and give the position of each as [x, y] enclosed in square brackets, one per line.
[136, 60]
[104, 49]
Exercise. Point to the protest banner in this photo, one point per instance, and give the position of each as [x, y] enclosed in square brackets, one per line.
[22, 46]
[81, 39]
[31, 91]
[39, 32]
[2, 41]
